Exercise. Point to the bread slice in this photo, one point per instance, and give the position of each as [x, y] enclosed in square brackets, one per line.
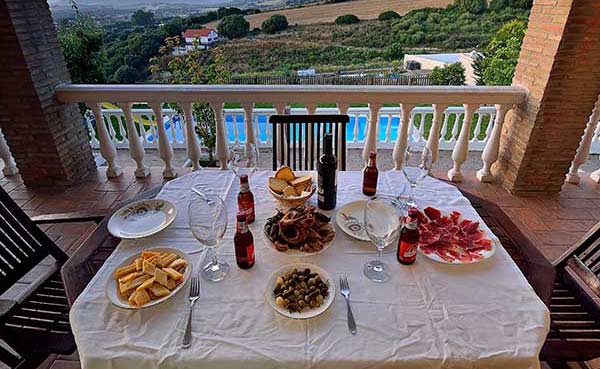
[301, 183]
[289, 191]
[285, 173]
[277, 185]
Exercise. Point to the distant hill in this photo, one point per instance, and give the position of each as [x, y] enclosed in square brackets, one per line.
[323, 13]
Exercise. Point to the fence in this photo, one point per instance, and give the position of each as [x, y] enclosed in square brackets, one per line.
[401, 80]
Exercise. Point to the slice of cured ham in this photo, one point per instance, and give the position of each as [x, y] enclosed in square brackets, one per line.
[451, 237]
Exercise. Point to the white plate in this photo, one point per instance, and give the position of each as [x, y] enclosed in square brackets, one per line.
[142, 218]
[111, 287]
[298, 253]
[350, 219]
[484, 254]
[311, 313]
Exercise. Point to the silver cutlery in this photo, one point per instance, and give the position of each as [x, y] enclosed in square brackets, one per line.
[193, 297]
[345, 291]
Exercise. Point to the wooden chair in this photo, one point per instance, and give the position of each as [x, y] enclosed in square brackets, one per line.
[37, 324]
[297, 139]
[575, 305]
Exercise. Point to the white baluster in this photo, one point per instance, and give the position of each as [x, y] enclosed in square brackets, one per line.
[402, 140]
[256, 128]
[343, 109]
[311, 108]
[122, 131]
[371, 134]
[88, 125]
[165, 150]
[421, 133]
[136, 149]
[111, 127]
[461, 149]
[455, 127]
[192, 144]
[583, 151]
[444, 130]
[268, 129]
[236, 134]
[434, 133]
[143, 132]
[249, 129]
[490, 152]
[388, 129]
[477, 130]
[281, 159]
[10, 167]
[488, 130]
[355, 130]
[107, 146]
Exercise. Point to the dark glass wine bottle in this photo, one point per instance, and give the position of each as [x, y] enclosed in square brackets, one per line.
[327, 169]
[370, 175]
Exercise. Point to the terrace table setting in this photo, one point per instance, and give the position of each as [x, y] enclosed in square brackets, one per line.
[428, 315]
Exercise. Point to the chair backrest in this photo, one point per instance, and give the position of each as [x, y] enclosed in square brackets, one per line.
[297, 139]
[22, 244]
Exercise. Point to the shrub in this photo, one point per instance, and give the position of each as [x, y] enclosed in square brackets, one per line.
[450, 75]
[142, 17]
[126, 74]
[388, 15]
[472, 6]
[274, 23]
[347, 19]
[394, 52]
[234, 26]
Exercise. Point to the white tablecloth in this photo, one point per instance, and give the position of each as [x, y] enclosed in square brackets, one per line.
[430, 315]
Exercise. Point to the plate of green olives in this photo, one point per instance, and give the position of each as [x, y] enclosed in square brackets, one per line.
[300, 291]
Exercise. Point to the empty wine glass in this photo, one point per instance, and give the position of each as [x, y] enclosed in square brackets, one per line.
[382, 224]
[208, 222]
[242, 157]
[417, 164]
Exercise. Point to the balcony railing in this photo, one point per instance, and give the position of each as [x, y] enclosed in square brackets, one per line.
[462, 118]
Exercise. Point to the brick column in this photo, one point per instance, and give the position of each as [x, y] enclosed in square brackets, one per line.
[47, 138]
[559, 65]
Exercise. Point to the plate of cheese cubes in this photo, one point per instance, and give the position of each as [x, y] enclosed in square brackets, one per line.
[148, 278]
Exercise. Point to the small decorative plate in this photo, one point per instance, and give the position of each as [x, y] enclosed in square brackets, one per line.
[311, 313]
[117, 300]
[350, 219]
[142, 218]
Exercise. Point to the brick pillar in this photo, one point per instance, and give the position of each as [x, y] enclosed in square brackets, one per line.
[560, 66]
[47, 138]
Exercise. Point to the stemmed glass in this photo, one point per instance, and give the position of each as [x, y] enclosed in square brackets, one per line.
[242, 157]
[417, 164]
[208, 222]
[382, 224]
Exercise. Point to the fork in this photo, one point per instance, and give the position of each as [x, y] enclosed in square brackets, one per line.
[345, 291]
[193, 297]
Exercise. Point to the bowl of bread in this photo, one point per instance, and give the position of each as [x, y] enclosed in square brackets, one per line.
[289, 189]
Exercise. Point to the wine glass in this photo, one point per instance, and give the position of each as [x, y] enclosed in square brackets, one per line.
[382, 224]
[208, 222]
[417, 164]
[240, 157]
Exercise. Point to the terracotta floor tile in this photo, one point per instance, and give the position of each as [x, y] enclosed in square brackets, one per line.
[577, 203]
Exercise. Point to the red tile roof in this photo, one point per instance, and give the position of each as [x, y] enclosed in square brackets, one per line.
[192, 33]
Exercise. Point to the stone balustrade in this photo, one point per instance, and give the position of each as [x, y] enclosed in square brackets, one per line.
[457, 118]
[590, 143]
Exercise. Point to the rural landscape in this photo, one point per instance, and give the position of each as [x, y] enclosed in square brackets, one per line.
[362, 37]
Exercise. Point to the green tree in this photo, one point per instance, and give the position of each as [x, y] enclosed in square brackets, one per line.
[388, 15]
[347, 19]
[472, 6]
[274, 23]
[234, 26]
[224, 12]
[450, 75]
[142, 17]
[82, 45]
[126, 74]
[497, 67]
[394, 52]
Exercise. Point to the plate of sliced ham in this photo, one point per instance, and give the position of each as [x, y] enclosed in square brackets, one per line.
[451, 238]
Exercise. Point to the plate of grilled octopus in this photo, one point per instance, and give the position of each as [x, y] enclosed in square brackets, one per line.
[299, 231]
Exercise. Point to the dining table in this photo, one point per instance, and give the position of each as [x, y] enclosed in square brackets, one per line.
[428, 315]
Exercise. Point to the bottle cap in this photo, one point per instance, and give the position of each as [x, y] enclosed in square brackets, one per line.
[244, 178]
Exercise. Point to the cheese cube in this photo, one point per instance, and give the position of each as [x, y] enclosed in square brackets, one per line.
[149, 254]
[159, 290]
[148, 268]
[124, 271]
[166, 260]
[131, 299]
[145, 285]
[171, 284]
[138, 263]
[179, 263]
[160, 276]
[130, 277]
[141, 297]
[124, 287]
[173, 273]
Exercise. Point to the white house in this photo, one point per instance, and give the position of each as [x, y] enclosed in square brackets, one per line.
[205, 37]
[427, 62]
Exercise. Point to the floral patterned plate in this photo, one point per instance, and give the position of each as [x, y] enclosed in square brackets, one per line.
[350, 219]
[142, 218]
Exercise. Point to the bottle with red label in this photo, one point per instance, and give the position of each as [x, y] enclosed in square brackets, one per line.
[244, 243]
[409, 239]
[246, 199]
